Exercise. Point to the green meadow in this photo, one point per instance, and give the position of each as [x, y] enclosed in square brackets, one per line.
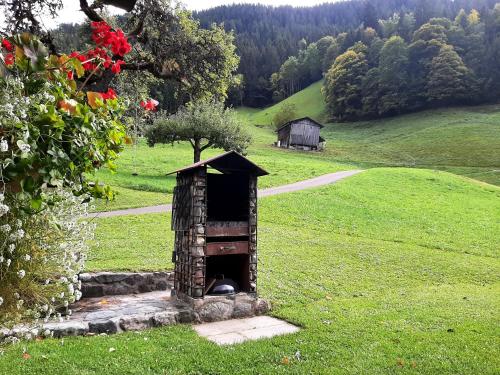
[463, 140]
[394, 270]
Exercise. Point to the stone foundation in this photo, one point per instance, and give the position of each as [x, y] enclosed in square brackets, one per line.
[119, 283]
[217, 308]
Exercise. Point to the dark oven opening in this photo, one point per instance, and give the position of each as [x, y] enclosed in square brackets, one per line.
[227, 197]
[234, 267]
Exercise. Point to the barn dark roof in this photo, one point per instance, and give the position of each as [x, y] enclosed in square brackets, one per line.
[228, 162]
[300, 119]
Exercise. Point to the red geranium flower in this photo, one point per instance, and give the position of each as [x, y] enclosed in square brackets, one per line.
[7, 45]
[116, 67]
[111, 94]
[149, 105]
[70, 74]
[104, 36]
[9, 59]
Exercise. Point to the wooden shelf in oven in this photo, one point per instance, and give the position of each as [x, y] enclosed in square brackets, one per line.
[227, 248]
[227, 228]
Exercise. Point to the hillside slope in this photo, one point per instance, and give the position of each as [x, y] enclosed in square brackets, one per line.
[462, 140]
[308, 102]
[391, 271]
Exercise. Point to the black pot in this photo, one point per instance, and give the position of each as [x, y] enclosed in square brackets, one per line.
[225, 286]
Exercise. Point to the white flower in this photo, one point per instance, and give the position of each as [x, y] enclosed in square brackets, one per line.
[61, 295]
[24, 147]
[45, 307]
[78, 295]
[8, 263]
[27, 257]
[5, 228]
[4, 146]
[1, 259]
[16, 295]
[1, 301]
[21, 273]
[2, 197]
[20, 233]
[3, 209]
[11, 248]
[71, 289]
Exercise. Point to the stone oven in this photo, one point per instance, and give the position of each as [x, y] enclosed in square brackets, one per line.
[214, 216]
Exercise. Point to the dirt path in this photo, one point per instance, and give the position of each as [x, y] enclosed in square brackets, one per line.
[301, 185]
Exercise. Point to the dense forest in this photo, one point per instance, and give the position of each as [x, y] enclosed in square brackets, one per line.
[266, 36]
[284, 49]
[400, 67]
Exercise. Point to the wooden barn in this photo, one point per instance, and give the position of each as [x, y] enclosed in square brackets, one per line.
[302, 134]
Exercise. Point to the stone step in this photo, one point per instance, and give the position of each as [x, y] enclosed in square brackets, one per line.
[102, 284]
[121, 313]
[136, 312]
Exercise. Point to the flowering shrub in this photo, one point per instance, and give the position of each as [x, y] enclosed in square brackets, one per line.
[53, 135]
[40, 258]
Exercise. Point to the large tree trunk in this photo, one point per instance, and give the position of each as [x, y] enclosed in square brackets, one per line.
[197, 150]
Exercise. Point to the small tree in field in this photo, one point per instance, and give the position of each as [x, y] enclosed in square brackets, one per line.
[287, 112]
[204, 124]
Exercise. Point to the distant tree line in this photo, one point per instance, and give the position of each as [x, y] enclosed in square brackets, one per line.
[267, 36]
[401, 67]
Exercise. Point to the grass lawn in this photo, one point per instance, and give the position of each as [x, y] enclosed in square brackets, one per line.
[464, 141]
[151, 186]
[389, 271]
[308, 102]
[469, 145]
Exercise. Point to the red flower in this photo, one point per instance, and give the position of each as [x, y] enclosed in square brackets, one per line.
[111, 94]
[104, 36]
[107, 62]
[7, 45]
[149, 105]
[101, 33]
[70, 74]
[9, 59]
[116, 67]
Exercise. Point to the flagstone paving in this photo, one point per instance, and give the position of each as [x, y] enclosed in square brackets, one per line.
[236, 331]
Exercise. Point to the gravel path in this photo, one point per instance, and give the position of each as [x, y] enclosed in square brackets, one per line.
[301, 185]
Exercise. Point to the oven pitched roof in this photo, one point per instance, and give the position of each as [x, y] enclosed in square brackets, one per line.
[227, 163]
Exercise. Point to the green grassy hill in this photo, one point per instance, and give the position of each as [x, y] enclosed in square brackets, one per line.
[463, 140]
[394, 270]
[309, 102]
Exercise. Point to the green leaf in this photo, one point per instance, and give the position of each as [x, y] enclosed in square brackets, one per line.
[36, 203]
[77, 65]
[28, 184]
